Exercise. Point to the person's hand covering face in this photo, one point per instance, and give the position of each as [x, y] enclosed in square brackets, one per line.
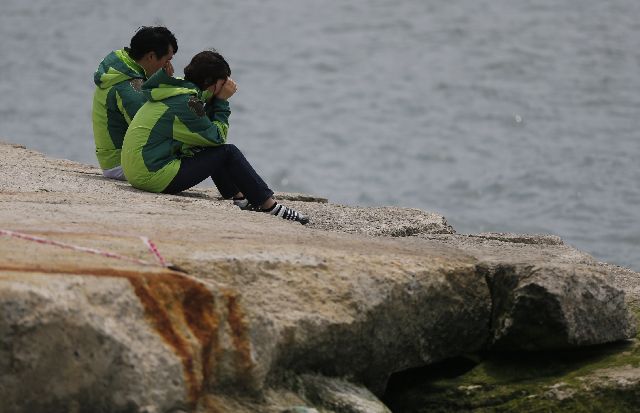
[223, 88]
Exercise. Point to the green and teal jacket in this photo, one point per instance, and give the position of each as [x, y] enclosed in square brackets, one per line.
[117, 98]
[171, 125]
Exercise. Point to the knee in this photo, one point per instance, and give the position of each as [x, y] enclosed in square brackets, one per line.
[232, 148]
[233, 151]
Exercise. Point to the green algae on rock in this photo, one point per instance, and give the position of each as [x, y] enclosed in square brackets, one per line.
[604, 378]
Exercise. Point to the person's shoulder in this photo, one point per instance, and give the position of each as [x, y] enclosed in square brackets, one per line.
[136, 84]
[196, 105]
[189, 105]
[130, 85]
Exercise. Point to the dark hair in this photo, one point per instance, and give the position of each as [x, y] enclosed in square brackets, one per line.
[206, 68]
[152, 39]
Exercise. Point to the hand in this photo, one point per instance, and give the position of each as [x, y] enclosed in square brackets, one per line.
[168, 67]
[226, 89]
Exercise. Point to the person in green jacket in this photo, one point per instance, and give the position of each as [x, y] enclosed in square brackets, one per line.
[177, 139]
[118, 94]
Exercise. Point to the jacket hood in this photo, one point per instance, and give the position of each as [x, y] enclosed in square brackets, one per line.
[115, 68]
[161, 86]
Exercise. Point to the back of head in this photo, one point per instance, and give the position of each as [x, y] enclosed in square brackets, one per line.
[206, 68]
[152, 39]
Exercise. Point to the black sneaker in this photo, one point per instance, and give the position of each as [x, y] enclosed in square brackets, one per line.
[287, 213]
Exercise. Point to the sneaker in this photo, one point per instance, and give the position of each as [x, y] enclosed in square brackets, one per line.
[287, 213]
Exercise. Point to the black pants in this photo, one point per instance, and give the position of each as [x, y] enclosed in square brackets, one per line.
[229, 170]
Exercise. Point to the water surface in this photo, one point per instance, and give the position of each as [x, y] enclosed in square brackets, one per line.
[500, 115]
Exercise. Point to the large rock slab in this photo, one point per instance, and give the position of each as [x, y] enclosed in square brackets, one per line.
[545, 307]
[61, 350]
[82, 332]
[241, 323]
[547, 295]
[360, 293]
[353, 313]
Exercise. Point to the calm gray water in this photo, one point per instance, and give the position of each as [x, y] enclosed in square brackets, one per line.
[502, 115]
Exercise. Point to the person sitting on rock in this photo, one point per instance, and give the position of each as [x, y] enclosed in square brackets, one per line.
[118, 94]
[178, 138]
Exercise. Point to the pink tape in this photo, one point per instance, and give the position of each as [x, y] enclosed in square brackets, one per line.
[108, 254]
[154, 250]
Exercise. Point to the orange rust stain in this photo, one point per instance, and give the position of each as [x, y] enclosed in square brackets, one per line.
[178, 307]
[209, 404]
[157, 311]
[68, 270]
[239, 333]
[200, 314]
